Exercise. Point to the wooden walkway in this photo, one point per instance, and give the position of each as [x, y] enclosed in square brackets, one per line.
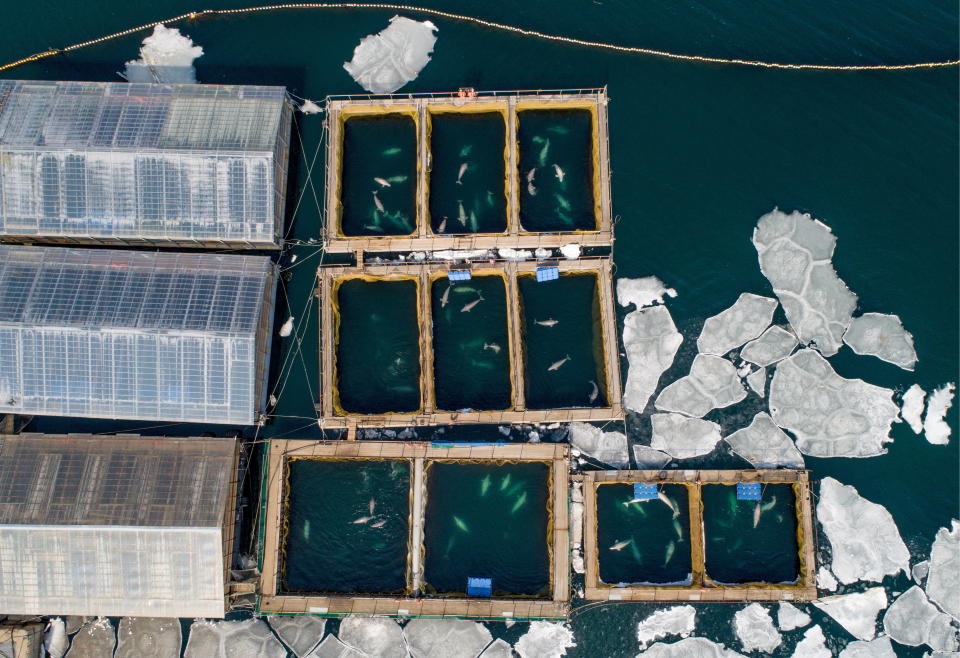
[420, 108]
[273, 600]
[330, 418]
[702, 588]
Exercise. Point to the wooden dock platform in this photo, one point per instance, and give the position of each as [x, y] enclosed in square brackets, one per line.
[272, 600]
[425, 272]
[421, 107]
[702, 588]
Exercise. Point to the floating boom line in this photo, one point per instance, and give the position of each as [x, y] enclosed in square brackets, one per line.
[493, 25]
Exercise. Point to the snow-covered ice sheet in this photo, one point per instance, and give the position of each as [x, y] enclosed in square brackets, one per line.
[755, 630]
[446, 638]
[678, 620]
[683, 437]
[813, 645]
[95, 639]
[691, 647]
[165, 56]
[376, 636]
[794, 252]
[148, 637]
[250, 638]
[749, 316]
[876, 648]
[650, 458]
[651, 341]
[775, 344]
[508, 253]
[882, 336]
[713, 383]
[790, 617]
[331, 647]
[607, 447]
[935, 428]
[765, 445]
[545, 639]
[642, 292]
[384, 62]
[300, 633]
[830, 416]
[498, 649]
[864, 539]
[856, 612]
[911, 407]
[943, 580]
[825, 580]
[912, 620]
[570, 251]
[757, 380]
[55, 640]
[460, 254]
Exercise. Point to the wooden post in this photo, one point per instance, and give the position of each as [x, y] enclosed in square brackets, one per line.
[326, 345]
[516, 337]
[428, 397]
[697, 557]
[513, 176]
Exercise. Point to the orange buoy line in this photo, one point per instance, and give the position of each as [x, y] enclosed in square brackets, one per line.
[496, 26]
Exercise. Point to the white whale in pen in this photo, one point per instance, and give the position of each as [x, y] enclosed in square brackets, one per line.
[463, 170]
[556, 365]
[469, 307]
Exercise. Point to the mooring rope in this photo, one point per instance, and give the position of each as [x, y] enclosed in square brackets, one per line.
[496, 26]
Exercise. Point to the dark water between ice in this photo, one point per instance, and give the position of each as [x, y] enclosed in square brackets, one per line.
[698, 153]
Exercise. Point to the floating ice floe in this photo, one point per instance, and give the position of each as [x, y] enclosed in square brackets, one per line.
[301, 633]
[607, 447]
[93, 640]
[857, 612]
[757, 380]
[461, 254]
[446, 638]
[498, 649]
[683, 437]
[678, 620]
[765, 445]
[813, 645]
[650, 458]
[912, 620]
[830, 416]
[331, 647]
[863, 537]
[755, 629]
[384, 62]
[651, 341]
[943, 580]
[642, 292]
[790, 617]
[147, 637]
[508, 253]
[74, 622]
[287, 328]
[876, 648]
[882, 336]
[545, 640]
[576, 536]
[920, 571]
[775, 344]
[743, 321]
[543, 252]
[165, 56]
[826, 580]
[795, 252]
[935, 428]
[309, 107]
[911, 407]
[376, 636]
[692, 646]
[55, 640]
[712, 384]
[251, 637]
[570, 251]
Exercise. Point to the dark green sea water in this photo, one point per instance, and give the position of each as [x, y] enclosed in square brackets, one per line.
[698, 152]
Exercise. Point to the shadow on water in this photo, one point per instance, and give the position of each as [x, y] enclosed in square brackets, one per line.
[378, 346]
[741, 547]
[487, 521]
[556, 170]
[468, 173]
[657, 536]
[347, 526]
[471, 362]
[570, 342]
[379, 175]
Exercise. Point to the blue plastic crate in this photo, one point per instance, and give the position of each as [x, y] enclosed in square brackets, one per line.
[547, 274]
[748, 491]
[479, 586]
[459, 275]
[644, 491]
